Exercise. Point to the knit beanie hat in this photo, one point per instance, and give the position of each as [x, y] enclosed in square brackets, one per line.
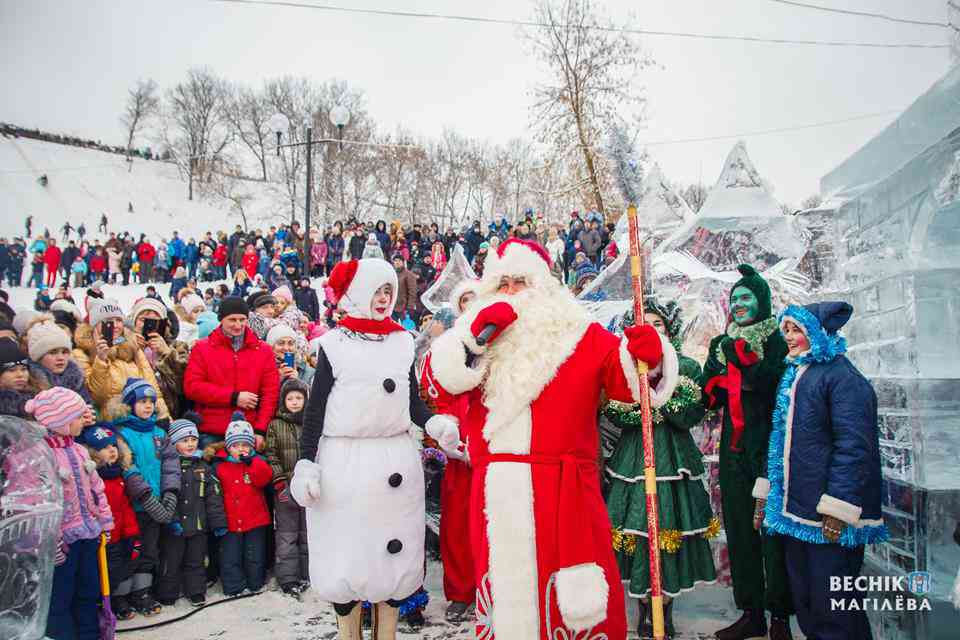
[66, 305]
[184, 427]
[56, 408]
[191, 302]
[283, 293]
[11, 355]
[101, 310]
[238, 431]
[99, 437]
[206, 323]
[44, 337]
[137, 389]
[279, 331]
[232, 305]
[753, 281]
[22, 318]
[148, 304]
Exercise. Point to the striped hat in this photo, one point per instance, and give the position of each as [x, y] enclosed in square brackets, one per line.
[56, 408]
[137, 389]
[184, 427]
[239, 430]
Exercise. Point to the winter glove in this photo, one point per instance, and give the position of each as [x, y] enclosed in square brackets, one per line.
[135, 550]
[832, 528]
[279, 488]
[644, 345]
[445, 430]
[305, 485]
[499, 314]
[759, 507]
[176, 528]
[220, 532]
[61, 554]
[738, 352]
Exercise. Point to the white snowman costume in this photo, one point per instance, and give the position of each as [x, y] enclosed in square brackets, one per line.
[363, 489]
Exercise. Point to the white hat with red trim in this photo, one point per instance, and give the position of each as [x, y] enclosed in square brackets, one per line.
[354, 282]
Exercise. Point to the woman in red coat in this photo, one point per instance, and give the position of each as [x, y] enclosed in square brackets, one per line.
[250, 261]
[52, 259]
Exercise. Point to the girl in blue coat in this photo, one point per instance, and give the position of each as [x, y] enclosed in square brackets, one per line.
[823, 469]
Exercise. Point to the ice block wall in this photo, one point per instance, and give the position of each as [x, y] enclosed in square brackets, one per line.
[897, 260]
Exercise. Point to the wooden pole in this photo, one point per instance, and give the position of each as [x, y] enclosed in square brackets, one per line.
[649, 462]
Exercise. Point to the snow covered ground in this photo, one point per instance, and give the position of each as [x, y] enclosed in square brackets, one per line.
[84, 183]
[272, 615]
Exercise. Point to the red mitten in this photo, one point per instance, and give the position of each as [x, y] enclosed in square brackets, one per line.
[644, 345]
[499, 314]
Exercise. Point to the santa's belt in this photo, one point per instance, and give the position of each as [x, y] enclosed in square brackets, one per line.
[574, 539]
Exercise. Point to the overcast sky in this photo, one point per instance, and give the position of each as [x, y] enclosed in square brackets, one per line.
[66, 65]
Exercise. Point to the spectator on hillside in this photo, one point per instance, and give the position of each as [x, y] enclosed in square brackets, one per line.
[191, 257]
[406, 289]
[306, 298]
[52, 257]
[176, 249]
[591, 242]
[232, 370]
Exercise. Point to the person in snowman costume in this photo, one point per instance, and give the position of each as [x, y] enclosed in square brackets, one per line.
[359, 476]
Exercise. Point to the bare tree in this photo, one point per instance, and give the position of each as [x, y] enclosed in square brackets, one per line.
[811, 202]
[142, 104]
[195, 129]
[591, 68]
[247, 112]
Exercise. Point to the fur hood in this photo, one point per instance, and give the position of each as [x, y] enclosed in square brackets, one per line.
[115, 409]
[127, 351]
[211, 450]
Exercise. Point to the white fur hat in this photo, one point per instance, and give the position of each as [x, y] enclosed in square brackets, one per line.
[191, 302]
[148, 304]
[69, 307]
[278, 332]
[354, 282]
[44, 337]
[517, 258]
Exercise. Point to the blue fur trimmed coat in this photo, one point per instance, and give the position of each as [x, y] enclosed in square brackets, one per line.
[824, 454]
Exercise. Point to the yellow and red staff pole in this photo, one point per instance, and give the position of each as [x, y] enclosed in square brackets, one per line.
[649, 462]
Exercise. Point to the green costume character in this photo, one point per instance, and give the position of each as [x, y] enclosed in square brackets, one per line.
[741, 375]
[685, 518]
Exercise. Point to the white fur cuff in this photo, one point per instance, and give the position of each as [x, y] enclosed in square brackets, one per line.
[582, 593]
[668, 371]
[448, 361]
[834, 507]
[761, 489]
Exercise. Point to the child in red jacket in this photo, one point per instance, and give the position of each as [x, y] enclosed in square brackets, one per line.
[243, 476]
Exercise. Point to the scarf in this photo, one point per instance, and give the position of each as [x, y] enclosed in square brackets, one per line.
[110, 471]
[139, 424]
[375, 327]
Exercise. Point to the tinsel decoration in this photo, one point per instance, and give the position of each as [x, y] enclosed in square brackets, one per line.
[713, 529]
[431, 454]
[626, 164]
[625, 542]
[625, 414]
[754, 334]
[670, 540]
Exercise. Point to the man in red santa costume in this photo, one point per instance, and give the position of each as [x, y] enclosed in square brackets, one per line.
[539, 531]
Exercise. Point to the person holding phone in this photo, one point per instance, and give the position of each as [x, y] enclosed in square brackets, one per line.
[154, 335]
[283, 340]
[109, 354]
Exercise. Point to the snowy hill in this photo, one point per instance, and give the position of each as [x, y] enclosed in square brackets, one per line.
[84, 183]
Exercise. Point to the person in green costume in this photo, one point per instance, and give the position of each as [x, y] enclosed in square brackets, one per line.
[741, 375]
[686, 521]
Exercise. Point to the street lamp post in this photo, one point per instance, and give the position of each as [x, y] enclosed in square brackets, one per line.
[278, 123]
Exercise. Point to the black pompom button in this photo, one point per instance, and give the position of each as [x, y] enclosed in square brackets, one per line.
[395, 479]
[389, 385]
[394, 546]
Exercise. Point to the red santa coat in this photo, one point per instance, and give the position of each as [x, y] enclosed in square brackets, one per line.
[539, 527]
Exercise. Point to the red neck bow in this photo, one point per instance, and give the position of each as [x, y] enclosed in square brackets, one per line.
[364, 325]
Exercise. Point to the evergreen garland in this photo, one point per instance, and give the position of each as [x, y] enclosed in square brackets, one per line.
[754, 334]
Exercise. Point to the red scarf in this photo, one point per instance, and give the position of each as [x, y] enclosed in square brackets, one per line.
[376, 327]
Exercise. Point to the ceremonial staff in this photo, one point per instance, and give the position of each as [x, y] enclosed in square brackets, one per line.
[649, 465]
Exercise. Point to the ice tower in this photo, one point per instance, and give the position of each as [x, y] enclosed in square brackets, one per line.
[897, 259]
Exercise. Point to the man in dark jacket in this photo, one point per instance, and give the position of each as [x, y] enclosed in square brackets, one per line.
[357, 242]
[590, 241]
[4, 258]
[474, 237]
[406, 288]
[306, 299]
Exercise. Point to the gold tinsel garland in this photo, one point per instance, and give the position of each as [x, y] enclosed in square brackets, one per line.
[670, 541]
[625, 542]
[713, 529]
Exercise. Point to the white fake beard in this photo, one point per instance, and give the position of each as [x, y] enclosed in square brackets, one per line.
[525, 358]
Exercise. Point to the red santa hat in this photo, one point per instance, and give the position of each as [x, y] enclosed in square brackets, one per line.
[355, 281]
[515, 258]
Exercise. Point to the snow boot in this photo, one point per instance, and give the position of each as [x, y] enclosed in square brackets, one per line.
[198, 600]
[415, 620]
[121, 607]
[780, 628]
[644, 624]
[385, 620]
[143, 602]
[293, 590]
[456, 612]
[348, 626]
[752, 625]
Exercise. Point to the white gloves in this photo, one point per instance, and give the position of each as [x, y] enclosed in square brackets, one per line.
[305, 484]
[446, 431]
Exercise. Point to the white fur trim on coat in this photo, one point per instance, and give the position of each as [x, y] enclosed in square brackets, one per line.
[839, 509]
[761, 489]
[448, 360]
[668, 370]
[511, 532]
[582, 593]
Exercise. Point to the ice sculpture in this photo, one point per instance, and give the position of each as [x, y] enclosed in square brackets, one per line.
[897, 259]
[30, 509]
[457, 270]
